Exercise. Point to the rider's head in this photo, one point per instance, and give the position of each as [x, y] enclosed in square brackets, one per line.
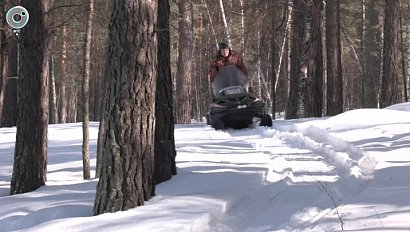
[224, 49]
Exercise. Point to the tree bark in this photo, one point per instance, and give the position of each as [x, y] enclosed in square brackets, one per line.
[30, 155]
[86, 90]
[184, 66]
[334, 90]
[371, 55]
[392, 86]
[127, 174]
[165, 151]
[313, 99]
[298, 33]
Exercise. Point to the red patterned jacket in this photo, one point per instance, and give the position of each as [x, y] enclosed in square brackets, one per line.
[233, 58]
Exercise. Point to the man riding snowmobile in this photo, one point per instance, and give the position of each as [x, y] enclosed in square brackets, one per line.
[232, 104]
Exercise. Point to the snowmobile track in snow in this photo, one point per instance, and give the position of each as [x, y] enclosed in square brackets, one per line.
[330, 161]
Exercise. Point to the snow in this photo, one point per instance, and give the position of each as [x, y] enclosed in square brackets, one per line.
[347, 172]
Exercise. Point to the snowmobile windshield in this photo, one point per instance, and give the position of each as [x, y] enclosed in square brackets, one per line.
[228, 76]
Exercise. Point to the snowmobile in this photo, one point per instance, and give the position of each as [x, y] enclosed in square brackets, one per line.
[232, 105]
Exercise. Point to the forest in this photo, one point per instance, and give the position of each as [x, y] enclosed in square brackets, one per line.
[140, 67]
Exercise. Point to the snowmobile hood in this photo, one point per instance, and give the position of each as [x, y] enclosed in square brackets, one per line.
[228, 76]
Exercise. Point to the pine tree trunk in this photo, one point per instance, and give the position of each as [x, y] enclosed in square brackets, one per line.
[392, 86]
[30, 155]
[127, 174]
[86, 90]
[298, 33]
[334, 90]
[313, 100]
[165, 151]
[184, 66]
[371, 56]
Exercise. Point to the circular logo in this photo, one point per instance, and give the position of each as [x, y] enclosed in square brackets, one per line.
[17, 17]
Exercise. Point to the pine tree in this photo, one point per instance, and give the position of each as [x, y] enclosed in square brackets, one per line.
[165, 151]
[30, 155]
[128, 149]
[392, 88]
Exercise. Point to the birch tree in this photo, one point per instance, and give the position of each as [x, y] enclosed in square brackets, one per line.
[86, 89]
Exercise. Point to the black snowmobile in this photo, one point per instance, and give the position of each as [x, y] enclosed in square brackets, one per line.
[232, 105]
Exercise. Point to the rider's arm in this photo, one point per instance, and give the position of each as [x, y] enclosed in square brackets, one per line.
[213, 69]
[241, 65]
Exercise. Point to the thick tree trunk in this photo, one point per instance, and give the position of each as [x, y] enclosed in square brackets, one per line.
[165, 152]
[392, 85]
[127, 174]
[86, 90]
[184, 66]
[313, 99]
[334, 90]
[298, 33]
[30, 156]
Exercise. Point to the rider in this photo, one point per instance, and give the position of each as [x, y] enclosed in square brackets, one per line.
[225, 56]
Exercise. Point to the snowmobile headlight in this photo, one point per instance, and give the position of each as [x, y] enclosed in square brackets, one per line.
[233, 91]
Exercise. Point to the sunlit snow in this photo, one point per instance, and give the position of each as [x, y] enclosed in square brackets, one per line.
[349, 172]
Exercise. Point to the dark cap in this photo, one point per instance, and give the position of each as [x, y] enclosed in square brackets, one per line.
[223, 45]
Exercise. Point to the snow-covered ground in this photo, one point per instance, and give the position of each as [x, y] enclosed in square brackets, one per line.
[347, 172]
